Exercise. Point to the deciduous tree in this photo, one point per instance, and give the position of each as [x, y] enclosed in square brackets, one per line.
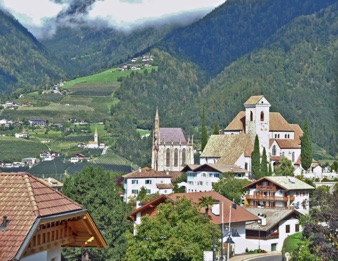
[285, 168]
[320, 226]
[177, 232]
[230, 187]
[95, 189]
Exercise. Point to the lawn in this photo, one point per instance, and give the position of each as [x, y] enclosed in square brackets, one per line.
[110, 75]
[291, 242]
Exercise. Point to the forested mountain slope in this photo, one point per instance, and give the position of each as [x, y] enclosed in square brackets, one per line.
[234, 29]
[294, 68]
[89, 49]
[24, 61]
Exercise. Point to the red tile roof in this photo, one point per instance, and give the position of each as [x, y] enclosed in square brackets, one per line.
[237, 215]
[151, 173]
[23, 198]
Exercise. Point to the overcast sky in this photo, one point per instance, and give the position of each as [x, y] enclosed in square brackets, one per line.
[122, 14]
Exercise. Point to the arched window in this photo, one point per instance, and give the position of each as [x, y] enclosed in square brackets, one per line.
[274, 150]
[293, 157]
[168, 158]
[262, 116]
[251, 116]
[183, 156]
[176, 157]
[246, 166]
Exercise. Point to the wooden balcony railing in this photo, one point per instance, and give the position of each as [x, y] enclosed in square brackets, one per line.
[262, 197]
[266, 188]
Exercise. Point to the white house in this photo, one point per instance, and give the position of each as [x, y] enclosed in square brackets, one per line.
[22, 135]
[235, 145]
[153, 181]
[223, 213]
[200, 178]
[275, 226]
[279, 192]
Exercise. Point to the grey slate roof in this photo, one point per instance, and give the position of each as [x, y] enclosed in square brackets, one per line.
[286, 182]
[173, 135]
[273, 217]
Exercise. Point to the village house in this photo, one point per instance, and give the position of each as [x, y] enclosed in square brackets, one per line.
[22, 135]
[279, 192]
[38, 123]
[222, 213]
[37, 221]
[153, 181]
[200, 178]
[235, 144]
[279, 201]
[171, 149]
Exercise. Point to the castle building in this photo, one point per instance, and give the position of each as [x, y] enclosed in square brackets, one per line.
[235, 144]
[171, 149]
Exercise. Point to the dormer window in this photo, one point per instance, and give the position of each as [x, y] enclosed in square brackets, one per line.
[4, 224]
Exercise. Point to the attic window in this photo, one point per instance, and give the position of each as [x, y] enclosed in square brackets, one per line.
[4, 224]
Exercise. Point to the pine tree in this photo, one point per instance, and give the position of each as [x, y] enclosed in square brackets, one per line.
[264, 165]
[306, 150]
[255, 159]
[216, 128]
[204, 136]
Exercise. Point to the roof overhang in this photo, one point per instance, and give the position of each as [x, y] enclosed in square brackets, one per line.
[84, 233]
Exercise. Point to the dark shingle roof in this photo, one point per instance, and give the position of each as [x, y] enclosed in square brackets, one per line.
[173, 135]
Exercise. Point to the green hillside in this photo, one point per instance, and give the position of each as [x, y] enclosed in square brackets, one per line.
[13, 149]
[91, 49]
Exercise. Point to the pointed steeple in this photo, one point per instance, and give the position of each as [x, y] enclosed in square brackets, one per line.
[156, 141]
[96, 136]
[157, 121]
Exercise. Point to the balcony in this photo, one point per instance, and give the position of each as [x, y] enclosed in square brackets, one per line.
[267, 198]
[266, 188]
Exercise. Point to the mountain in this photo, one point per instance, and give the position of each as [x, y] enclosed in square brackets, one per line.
[293, 66]
[24, 61]
[285, 50]
[234, 29]
[92, 48]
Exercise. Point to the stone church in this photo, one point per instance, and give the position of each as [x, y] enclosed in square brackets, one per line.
[172, 149]
[235, 144]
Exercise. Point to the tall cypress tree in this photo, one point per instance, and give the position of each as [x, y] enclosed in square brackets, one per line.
[306, 150]
[216, 128]
[255, 159]
[270, 170]
[204, 135]
[264, 165]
